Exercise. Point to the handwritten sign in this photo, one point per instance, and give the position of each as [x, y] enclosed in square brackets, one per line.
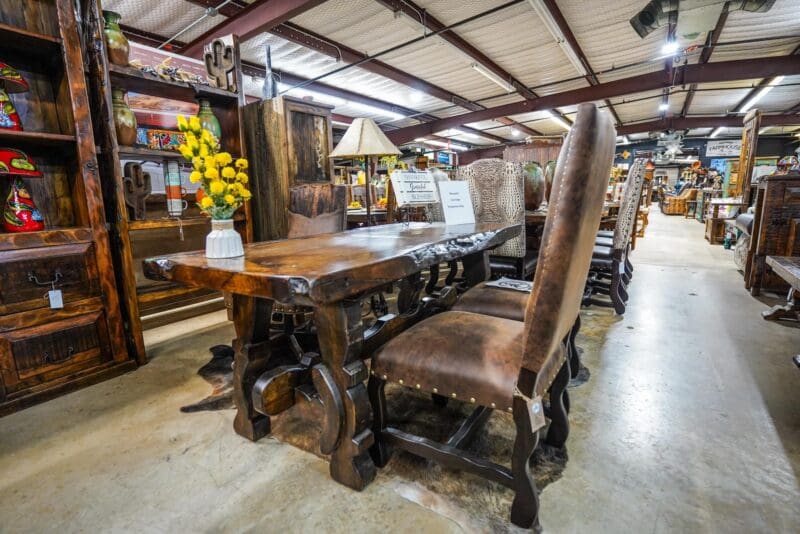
[724, 148]
[456, 203]
[414, 188]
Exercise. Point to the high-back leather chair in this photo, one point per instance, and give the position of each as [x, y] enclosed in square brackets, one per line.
[503, 364]
[497, 190]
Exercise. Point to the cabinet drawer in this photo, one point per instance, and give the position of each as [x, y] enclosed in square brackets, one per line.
[26, 276]
[42, 353]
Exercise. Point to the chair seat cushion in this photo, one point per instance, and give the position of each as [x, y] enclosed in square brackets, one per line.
[467, 356]
[507, 265]
[495, 301]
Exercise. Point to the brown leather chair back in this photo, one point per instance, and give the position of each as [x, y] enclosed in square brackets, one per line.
[575, 207]
[317, 209]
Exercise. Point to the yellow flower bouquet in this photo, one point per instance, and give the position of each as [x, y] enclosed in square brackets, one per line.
[223, 181]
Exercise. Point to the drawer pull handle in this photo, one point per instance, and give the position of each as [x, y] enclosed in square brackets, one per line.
[56, 279]
[49, 359]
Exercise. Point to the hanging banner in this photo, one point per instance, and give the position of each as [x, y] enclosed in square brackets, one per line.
[725, 148]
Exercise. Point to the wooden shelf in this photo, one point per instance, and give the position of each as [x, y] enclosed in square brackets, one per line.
[135, 80]
[175, 223]
[45, 238]
[19, 39]
[148, 154]
[26, 140]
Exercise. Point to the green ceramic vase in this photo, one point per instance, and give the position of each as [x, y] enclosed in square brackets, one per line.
[124, 119]
[208, 120]
[116, 42]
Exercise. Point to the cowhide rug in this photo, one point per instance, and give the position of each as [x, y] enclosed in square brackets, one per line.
[219, 373]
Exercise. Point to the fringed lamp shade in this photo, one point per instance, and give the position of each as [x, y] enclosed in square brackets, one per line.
[364, 138]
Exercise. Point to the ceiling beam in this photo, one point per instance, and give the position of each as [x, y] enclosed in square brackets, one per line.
[429, 22]
[572, 42]
[711, 41]
[259, 17]
[722, 71]
[251, 69]
[519, 126]
[682, 123]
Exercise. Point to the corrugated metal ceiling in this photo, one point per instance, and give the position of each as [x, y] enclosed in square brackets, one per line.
[515, 38]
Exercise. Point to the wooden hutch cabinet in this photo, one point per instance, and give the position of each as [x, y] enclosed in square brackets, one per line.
[47, 349]
[152, 231]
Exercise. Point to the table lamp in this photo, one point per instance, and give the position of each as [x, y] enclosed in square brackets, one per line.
[364, 139]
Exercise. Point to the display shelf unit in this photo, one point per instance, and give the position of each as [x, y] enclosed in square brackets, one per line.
[47, 351]
[147, 302]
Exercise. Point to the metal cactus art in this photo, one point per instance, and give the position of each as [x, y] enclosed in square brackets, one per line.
[220, 65]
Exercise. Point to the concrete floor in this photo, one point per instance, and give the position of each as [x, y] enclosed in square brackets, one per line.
[690, 422]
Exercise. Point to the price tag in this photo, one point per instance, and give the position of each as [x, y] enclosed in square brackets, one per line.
[56, 299]
[622, 266]
[536, 412]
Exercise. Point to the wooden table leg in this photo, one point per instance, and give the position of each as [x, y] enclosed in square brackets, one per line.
[341, 334]
[476, 269]
[251, 318]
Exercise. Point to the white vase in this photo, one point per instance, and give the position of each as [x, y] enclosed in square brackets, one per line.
[223, 241]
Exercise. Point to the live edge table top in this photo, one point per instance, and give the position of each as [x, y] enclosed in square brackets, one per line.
[331, 267]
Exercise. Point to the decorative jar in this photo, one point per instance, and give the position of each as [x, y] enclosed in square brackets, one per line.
[208, 120]
[116, 43]
[223, 241]
[124, 119]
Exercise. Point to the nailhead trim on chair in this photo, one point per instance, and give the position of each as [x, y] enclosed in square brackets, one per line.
[454, 395]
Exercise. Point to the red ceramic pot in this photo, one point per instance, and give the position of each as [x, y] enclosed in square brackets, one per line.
[20, 213]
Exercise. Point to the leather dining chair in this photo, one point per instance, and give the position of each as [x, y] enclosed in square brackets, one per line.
[497, 190]
[502, 364]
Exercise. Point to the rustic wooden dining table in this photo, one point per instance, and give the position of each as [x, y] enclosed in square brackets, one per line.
[330, 273]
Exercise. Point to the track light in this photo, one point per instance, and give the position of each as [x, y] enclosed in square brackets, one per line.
[514, 132]
[493, 77]
[759, 95]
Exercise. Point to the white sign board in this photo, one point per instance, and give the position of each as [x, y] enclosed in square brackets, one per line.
[414, 188]
[456, 203]
[724, 148]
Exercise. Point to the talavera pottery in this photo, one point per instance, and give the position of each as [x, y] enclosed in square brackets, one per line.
[19, 212]
[11, 81]
[208, 120]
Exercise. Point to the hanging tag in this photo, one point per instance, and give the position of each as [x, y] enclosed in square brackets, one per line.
[622, 266]
[536, 412]
[56, 299]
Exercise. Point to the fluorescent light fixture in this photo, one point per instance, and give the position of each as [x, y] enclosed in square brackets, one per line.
[670, 48]
[716, 132]
[341, 123]
[623, 140]
[375, 111]
[317, 97]
[558, 120]
[552, 26]
[514, 132]
[412, 22]
[759, 95]
[420, 140]
[415, 96]
[493, 77]
[664, 106]
[454, 146]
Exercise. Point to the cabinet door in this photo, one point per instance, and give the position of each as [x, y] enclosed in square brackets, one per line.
[309, 126]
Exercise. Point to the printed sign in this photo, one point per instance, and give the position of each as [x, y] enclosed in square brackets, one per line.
[724, 148]
[414, 188]
[456, 203]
